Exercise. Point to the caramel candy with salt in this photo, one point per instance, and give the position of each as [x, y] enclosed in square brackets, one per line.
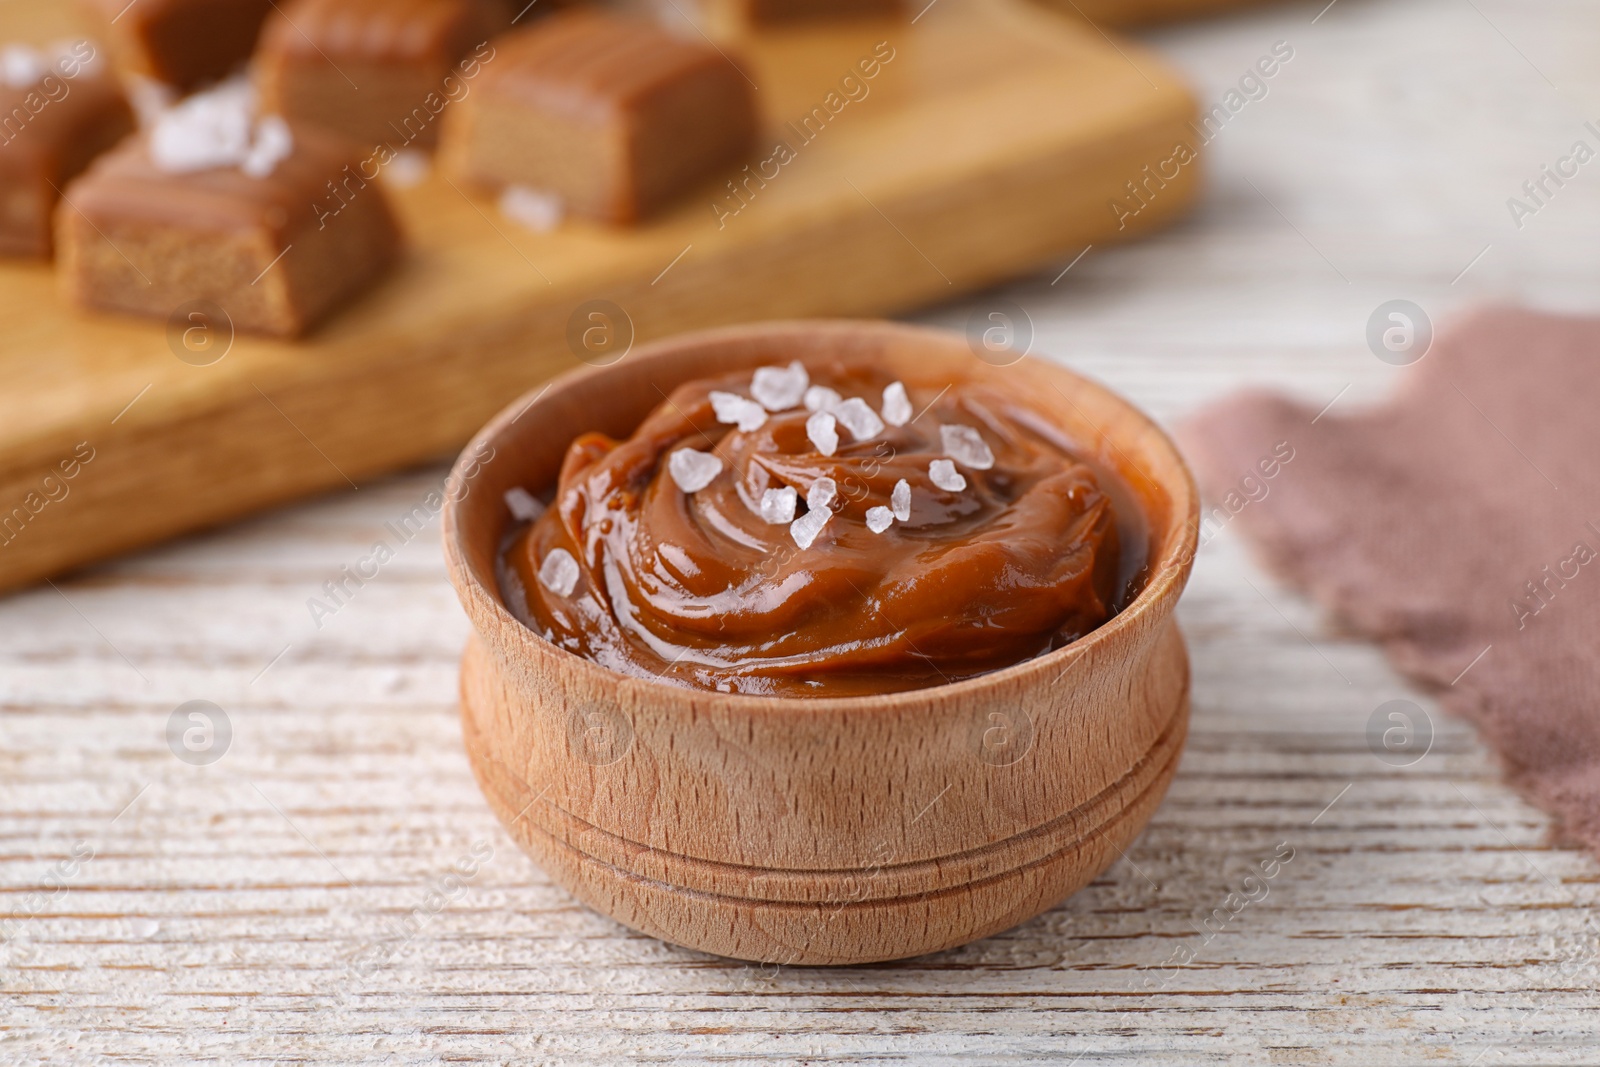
[613, 115]
[183, 43]
[775, 12]
[377, 71]
[57, 113]
[277, 253]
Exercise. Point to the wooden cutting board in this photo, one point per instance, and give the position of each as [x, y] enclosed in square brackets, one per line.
[994, 142]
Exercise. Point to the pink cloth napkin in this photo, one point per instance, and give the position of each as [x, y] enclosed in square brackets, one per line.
[1458, 525]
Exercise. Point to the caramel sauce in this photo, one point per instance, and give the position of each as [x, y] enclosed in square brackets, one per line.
[698, 589]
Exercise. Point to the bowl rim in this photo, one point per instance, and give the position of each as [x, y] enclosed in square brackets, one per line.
[1170, 573]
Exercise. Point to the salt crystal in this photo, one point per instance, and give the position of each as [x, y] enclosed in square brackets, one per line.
[190, 139]
[821, 398]
[559, 572]
[407, 168]
[21, 66]
[900, 500]
[945, 476]
[524, 507]
[538, 211]
[966, 446]
[857, 417]
[896, 404]
[273, 144]
[805, 529]
[692, 469]
[217, 128]
[778, 505]
[780, 388]
[210, 129]
[823, 492]
[879, 519]
[733, 409]
[823, 429]
[150, 99]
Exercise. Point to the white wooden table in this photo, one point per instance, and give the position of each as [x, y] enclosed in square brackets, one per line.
[1422, 916]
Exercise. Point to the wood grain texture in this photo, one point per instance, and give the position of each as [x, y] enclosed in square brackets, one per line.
[821, 831]
[993, 141]
[1424, 916]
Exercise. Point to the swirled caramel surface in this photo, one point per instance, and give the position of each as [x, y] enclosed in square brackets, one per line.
[932, 534]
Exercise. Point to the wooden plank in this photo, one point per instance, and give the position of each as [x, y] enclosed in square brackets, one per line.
[995, 139]
[1424, 918]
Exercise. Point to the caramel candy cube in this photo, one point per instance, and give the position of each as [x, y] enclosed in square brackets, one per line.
[377, 71]
[183, 43]
[57, 113]
[773, 12]
[137, 237]
[613, 115]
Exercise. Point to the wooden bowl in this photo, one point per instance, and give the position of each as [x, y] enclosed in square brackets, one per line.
[820, 831]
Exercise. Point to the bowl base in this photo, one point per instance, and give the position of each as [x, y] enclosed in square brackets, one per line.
[850, 920]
